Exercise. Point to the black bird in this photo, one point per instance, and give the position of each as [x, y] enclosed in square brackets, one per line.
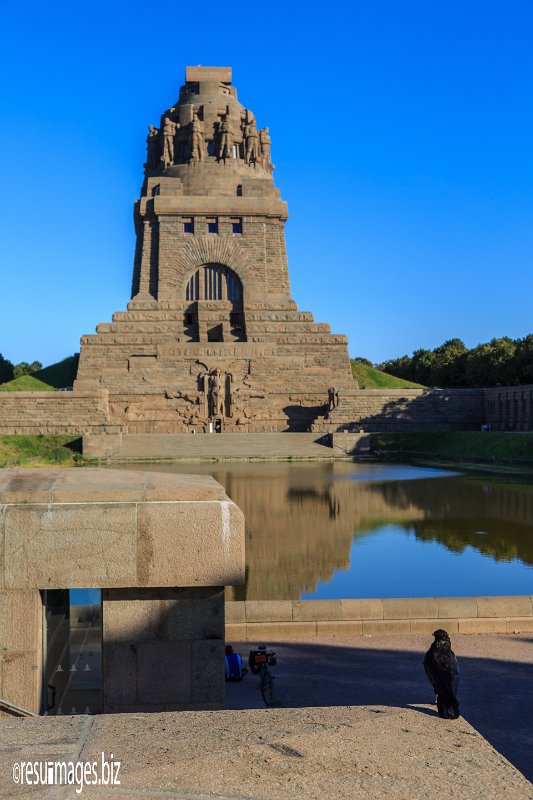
[440, 665]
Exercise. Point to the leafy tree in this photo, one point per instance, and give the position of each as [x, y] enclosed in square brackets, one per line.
[26, 369]
[524, 359]
[364, 361]
[400, 367]
[500, 362]
[449, 362]
[6, 370]
[422, 367]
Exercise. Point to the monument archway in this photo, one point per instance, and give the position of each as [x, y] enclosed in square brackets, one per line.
[214, 309]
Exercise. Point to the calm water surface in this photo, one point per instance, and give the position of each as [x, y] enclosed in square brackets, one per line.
[339, 530]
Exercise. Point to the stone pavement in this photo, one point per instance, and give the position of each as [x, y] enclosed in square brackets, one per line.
[367, 735]
[495, 687]
[349, 753]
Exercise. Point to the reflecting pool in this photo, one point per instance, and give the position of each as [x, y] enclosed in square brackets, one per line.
[339, 530]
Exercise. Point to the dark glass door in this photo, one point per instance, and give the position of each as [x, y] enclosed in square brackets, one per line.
[72, 651]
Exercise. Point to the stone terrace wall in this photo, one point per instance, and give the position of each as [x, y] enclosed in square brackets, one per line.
[409, 410]
[51, 412]
[370, 409]
[509, 408]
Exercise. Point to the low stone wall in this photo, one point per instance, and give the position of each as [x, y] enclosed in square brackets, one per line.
[284, 620]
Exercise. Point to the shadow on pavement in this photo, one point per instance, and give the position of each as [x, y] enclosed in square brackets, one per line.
[495, 696]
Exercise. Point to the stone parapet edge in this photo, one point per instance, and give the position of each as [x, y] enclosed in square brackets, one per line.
[286, 619]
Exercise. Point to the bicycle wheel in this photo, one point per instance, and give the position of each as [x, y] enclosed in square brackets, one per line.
[267, 686]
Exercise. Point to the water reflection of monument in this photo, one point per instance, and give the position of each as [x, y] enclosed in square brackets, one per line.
[503, 513]
[301, 522]
[301, 519]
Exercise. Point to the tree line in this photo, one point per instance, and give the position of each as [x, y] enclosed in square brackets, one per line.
[8, 370]
[500, 362]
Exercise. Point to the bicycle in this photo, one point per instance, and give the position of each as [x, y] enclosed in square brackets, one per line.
[260, 660]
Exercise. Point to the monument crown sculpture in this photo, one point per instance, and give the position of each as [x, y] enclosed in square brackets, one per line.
[211, 334]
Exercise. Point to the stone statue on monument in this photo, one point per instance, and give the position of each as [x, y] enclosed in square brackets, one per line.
[264, 145]
[216, 394]
[251, 139]
[197, 138]
[225, 138]
[152, 148]
[169, 131]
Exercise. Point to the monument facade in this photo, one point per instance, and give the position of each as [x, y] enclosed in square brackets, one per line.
[211, 337]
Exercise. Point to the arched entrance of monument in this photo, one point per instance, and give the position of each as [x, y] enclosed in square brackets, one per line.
[214, 309]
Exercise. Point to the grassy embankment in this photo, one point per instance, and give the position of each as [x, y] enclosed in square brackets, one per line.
[372, 378]
[48, 379]
[64, 449]
[494, 451]
[36, 451]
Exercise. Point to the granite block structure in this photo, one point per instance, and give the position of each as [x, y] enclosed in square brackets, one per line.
[156, 550]
[211, 335]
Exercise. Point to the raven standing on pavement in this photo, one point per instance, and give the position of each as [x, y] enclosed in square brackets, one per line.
[440, 665]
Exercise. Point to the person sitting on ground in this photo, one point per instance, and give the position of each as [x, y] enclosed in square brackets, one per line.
[234, 668]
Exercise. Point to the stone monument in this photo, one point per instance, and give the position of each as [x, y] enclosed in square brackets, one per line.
[211, 330]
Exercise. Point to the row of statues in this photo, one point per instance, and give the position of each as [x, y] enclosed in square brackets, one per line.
[161, 143]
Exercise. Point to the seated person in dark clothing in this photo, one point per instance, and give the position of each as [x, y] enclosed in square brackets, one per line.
[233, 663]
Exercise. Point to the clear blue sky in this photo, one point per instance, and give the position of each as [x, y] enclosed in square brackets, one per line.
[402, 137]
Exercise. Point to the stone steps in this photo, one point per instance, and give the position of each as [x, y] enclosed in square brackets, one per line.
[205, 446]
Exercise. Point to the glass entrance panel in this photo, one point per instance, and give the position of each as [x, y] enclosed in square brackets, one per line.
[72, 652]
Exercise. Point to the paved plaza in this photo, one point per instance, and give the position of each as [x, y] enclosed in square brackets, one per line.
[354, 723]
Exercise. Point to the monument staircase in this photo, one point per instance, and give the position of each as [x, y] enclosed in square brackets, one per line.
[223, 446]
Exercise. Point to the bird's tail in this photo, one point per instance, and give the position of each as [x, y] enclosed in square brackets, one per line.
[447, 704]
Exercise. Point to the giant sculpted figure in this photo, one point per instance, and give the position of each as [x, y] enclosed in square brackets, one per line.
[251, 139]
[197, 138]
[264, 143]
[216, 394]
[225, 138]
[169, 131]
[153, 149]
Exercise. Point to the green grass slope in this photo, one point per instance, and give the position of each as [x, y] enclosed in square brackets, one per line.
[56, 376]
[372, 378]
[40, 450]
[60, 375]
[26, 383]
[456, 445]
